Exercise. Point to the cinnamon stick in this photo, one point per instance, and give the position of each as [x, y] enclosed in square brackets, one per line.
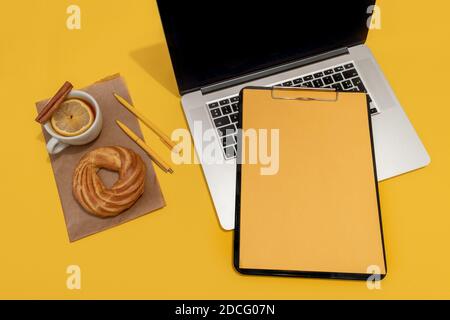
[54, 103]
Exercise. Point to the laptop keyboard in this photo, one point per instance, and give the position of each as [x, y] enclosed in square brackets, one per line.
[224, 113]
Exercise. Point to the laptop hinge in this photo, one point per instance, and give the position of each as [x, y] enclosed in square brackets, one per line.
[274, 70]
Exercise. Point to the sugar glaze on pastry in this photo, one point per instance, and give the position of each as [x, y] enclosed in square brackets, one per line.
[90, 191]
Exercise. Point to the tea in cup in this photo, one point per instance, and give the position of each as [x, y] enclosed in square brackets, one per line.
[77, 121]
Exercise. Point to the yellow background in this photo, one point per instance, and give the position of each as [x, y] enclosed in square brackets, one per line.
[180, 251]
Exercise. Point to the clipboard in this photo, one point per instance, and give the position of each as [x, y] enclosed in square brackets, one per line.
[319, 215]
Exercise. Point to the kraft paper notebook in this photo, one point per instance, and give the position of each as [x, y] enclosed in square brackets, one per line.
[319, 215]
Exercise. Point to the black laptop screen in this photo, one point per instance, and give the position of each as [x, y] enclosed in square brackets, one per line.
[212, 41]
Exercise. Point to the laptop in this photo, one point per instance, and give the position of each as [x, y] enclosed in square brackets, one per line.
[219, 47]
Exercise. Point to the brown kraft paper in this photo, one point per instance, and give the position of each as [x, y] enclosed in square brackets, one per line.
[79, 223]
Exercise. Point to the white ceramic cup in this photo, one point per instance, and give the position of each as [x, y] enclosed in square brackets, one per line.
[58, 142]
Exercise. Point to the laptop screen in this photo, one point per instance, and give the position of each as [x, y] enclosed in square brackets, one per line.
[213, 41]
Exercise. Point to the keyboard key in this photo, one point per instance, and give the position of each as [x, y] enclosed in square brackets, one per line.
[338, 87]
[234, 99]
[224, 102]
[224, 131]
[288, 84]
[213, 105]
[347, 85]
[228, 141]
[350, 73]
[308, 84]
[328, 72]
[308, 78]
[227, 110]
[230, 152]
[220, 122]
[328, 80]
[298, 81]
[338, 77]
[357, 82]
[318, 83]
[234, 117]
[318, 75]
[216, 113]
[235, 107]
[349, 66]
[339, 69]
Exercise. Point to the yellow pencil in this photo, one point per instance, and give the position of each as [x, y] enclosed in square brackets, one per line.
[164, 138]
[153, 155]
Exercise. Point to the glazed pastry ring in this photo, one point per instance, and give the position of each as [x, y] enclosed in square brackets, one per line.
[90, 191]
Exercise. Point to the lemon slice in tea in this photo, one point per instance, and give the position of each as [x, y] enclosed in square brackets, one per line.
[72, 118]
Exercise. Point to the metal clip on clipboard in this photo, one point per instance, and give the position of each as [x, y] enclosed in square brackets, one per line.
[304, 90]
